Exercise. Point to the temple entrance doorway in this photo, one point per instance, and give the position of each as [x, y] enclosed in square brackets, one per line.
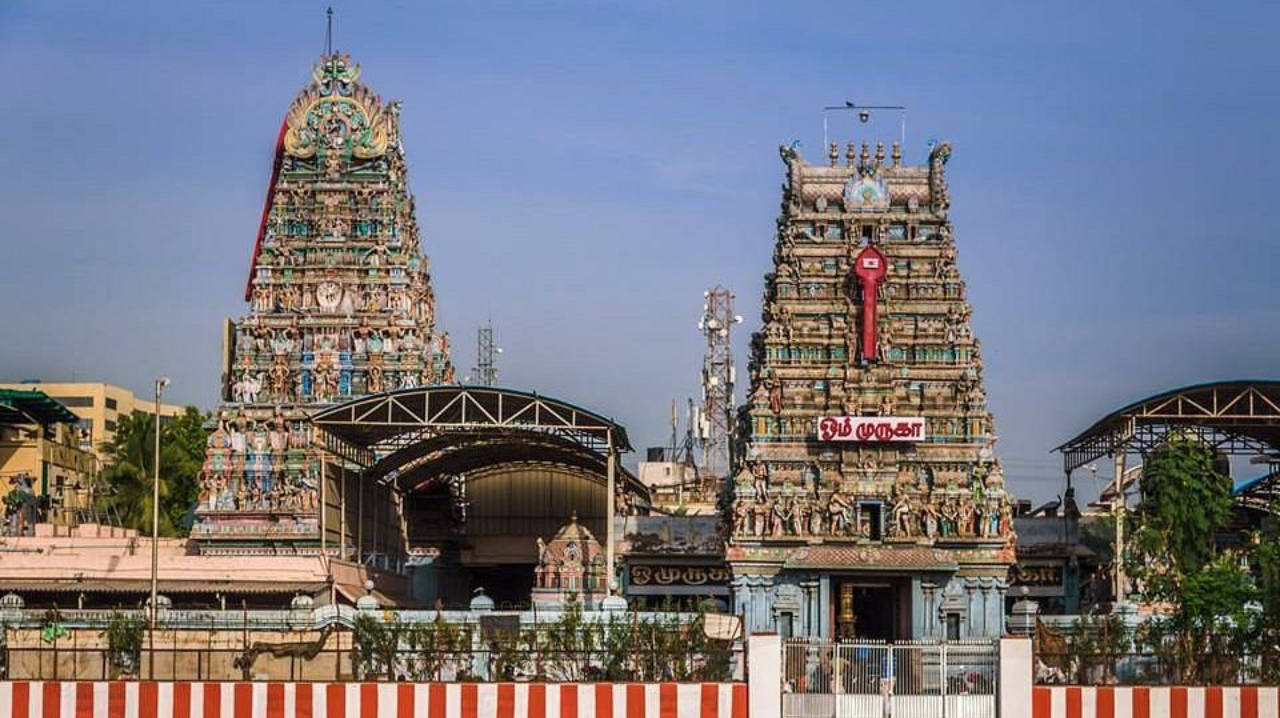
[871, 609]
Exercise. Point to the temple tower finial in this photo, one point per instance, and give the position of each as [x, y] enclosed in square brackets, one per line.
[328, 32]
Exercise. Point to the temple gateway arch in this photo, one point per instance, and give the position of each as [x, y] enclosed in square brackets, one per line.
[453, 485]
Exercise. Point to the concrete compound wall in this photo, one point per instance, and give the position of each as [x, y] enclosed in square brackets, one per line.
[1156, 702]
[183, 655]
[1020, 698]
[67, 699]
[761, 697]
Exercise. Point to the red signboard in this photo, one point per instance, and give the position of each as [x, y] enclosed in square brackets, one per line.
[871, 428]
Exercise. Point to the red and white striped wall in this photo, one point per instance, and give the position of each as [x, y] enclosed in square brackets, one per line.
[69, 699]
[1155, 702]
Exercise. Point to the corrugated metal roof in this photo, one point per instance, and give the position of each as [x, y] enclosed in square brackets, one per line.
[33, 407]
[134, 586]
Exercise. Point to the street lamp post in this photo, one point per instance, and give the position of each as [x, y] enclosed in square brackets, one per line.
[611, 479]
[161, 383]
[1117, 509]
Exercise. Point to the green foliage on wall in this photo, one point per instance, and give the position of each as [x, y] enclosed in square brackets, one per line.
[124, 634]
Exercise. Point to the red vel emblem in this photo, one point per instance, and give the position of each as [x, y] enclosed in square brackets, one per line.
[870, 268]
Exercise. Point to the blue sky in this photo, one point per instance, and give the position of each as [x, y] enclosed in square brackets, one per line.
[585, 169]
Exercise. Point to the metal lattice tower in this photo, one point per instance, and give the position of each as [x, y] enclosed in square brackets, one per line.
[715, 423]
[486, 371]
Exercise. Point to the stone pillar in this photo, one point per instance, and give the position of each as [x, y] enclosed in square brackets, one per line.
[970, 589]
[763, 605]
[1071, 586]
[989, 619]
[917, 608]
[810, 587]
[1016, 674]
[824, 607]
[930, 617]
[764, 676]
[1022, 621]
[1002, 587]
[481, 604]
[741, 598]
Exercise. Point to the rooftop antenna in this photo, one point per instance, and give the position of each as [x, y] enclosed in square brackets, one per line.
[715, 424]
[328, 33]
[864, 116]
[674, 427]
[486, 371]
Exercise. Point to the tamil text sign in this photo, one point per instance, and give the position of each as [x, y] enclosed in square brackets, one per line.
[871, 428]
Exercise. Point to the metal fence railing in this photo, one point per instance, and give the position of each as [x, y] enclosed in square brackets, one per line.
[301, 618]
[337, 644]
[339, 662]
[822, 679]
[1145, 669]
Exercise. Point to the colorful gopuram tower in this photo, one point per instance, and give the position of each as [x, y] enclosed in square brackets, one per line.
[869, 502]
[341, 305]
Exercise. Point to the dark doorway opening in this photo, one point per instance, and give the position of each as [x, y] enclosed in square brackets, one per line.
[867, 611]
[509, 585]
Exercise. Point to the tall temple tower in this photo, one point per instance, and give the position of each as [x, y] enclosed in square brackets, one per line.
[869, 502]
[341, 305]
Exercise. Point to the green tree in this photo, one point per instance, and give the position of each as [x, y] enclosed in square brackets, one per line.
[1185, 503]
[126, 480]
[1266, 556]
[1175, 555]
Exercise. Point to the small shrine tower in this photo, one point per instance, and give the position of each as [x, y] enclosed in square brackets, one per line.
[570, 568]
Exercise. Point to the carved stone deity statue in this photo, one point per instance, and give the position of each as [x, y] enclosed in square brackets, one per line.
[774, 387]
[760, 480]
[839, 511]
[373, 379]
[741, 518]
[886, 405]
[901, 513]
[799, 516]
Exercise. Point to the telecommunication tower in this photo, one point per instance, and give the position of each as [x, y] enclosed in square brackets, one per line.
[486, 371]
[715, 420]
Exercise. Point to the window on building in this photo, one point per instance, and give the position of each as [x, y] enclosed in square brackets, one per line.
[870, 520]
[786, 625]
[111, 403]
[953, 626]
[75, 401]
[109, 425]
